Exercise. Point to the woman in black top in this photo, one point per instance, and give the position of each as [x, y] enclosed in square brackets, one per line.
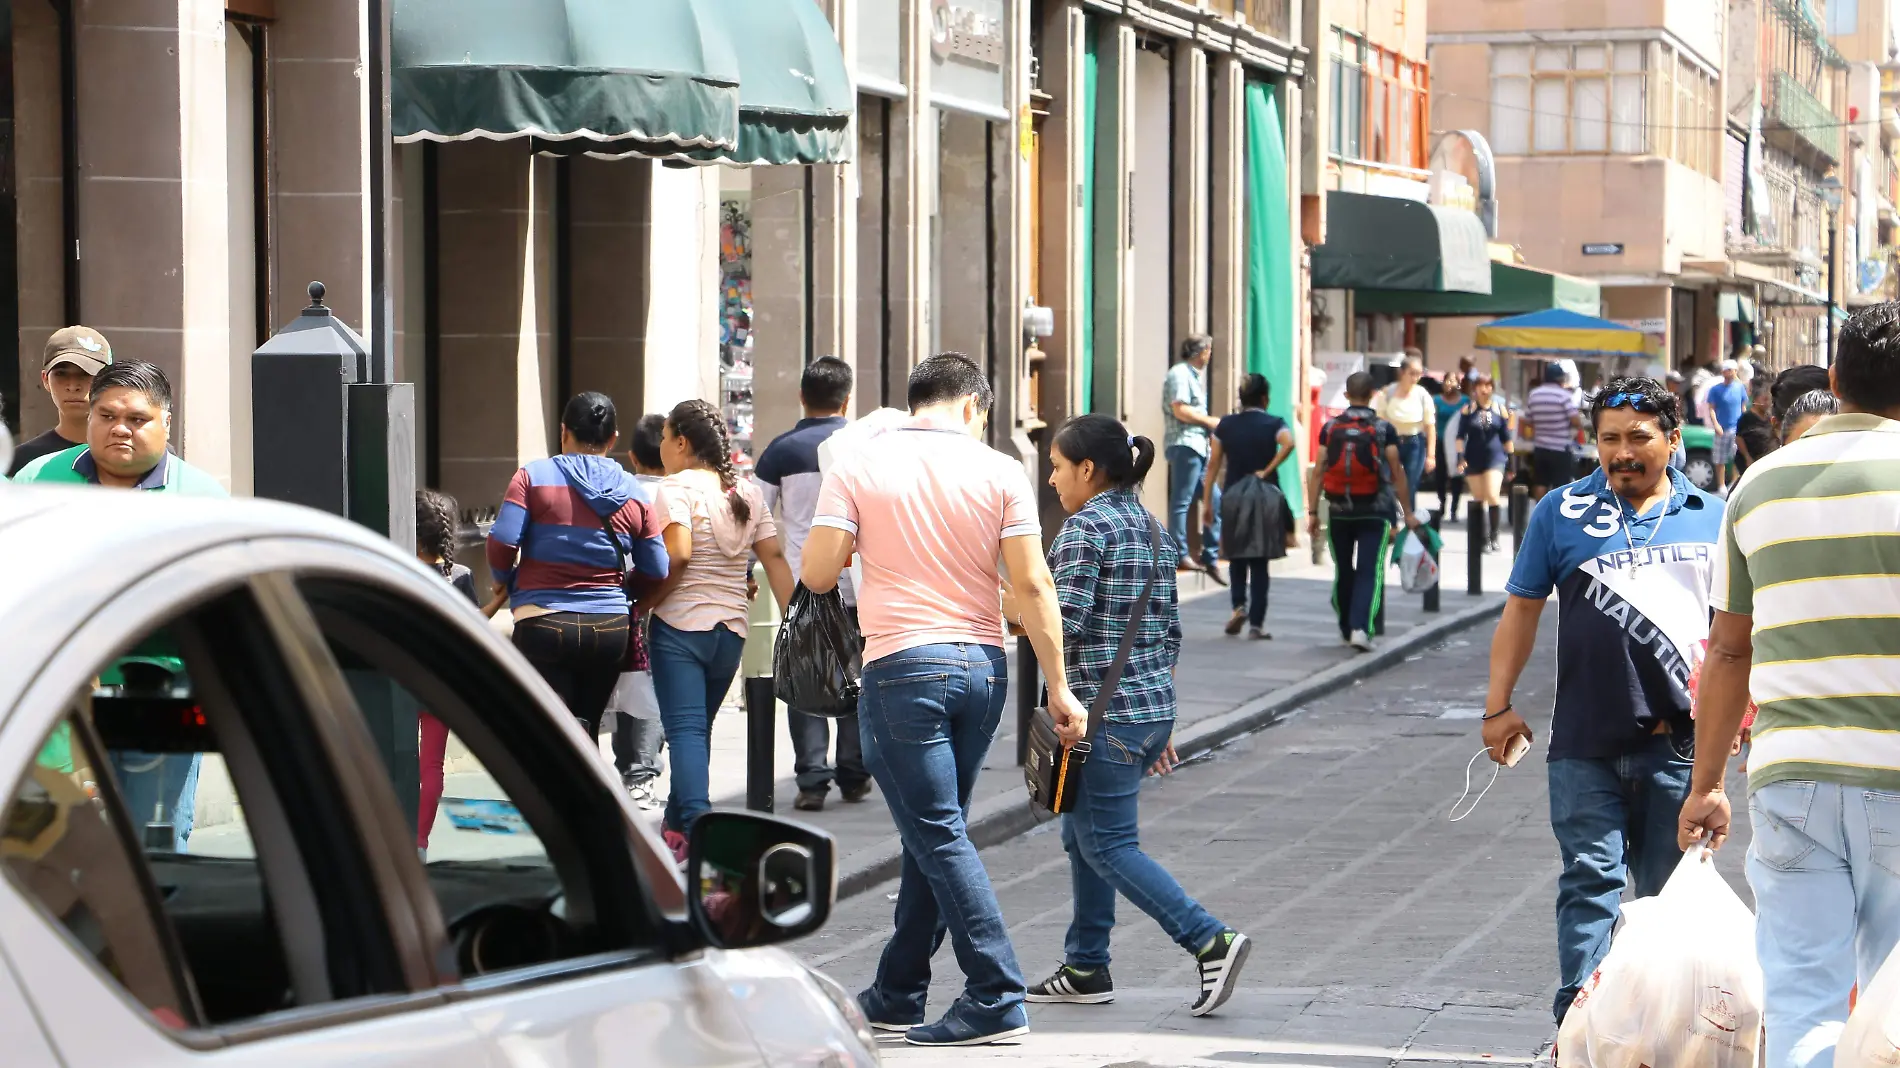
[1250, 443]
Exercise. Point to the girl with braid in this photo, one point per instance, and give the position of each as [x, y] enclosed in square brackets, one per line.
[713, 524]
[436, 526]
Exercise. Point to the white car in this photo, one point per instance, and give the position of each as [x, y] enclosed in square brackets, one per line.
[208, 765]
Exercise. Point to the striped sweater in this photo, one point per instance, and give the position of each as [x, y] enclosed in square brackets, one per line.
[1811, 550]
[549, 544]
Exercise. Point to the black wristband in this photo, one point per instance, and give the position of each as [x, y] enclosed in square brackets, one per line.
[1494, 715]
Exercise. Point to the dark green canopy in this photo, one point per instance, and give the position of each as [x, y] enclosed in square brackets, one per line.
[739, 81]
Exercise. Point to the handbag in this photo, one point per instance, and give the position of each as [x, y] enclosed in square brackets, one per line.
[1053, 771]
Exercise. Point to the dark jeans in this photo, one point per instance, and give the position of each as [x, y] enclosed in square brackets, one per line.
[579, 654]
[692, 672]
[1615, 820]
[637, 747]
[1412, 459]
[811, 746]
[1104, 845]
[1250, 588]
[1359, 550]
[1185, 468]
[928, 715]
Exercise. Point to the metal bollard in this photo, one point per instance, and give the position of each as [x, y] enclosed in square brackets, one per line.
[1520, 516]
[761, 708]
[1474, 560]
[1431, 592]
[1026, 688]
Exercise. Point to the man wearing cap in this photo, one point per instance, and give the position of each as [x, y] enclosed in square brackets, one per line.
[73, 356]
[1728, 399]
[128, 439]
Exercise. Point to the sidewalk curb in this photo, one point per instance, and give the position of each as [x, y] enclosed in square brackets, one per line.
[1001, 818]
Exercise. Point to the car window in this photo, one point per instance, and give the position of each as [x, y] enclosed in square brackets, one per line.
[527, 852]
[155, 827]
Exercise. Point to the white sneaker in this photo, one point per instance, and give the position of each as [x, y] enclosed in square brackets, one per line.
[1361, 641]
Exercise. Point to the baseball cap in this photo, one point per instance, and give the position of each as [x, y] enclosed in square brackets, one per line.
[1729, 365]
[81, 346]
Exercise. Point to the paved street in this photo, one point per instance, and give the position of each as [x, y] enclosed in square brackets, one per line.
[1384, 934]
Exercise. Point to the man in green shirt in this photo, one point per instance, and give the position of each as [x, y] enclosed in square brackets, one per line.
[1807, 621]
[128, 439]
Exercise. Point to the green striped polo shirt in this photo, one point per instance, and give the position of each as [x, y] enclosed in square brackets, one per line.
[1811, 550]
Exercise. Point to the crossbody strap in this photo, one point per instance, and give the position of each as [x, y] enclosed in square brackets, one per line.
[1113, 677]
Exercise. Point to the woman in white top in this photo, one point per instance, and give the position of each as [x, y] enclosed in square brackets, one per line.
[1409, 408]
[712, 524]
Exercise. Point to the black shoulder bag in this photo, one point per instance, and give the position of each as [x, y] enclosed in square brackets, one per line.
[1053, 771]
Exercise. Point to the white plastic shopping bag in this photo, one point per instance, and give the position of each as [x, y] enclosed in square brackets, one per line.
[1418, 560]
[634, 696]
[1680, 987]
[1871, 1038]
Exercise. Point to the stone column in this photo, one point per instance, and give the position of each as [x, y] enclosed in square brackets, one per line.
[1060, 274]
[1114, 137]
[780, 345]
[834, 215]
[39, 187]
[1190, 200]
[1227, 244]
[963, 209]
[912, 164]
[608, 203]
[1010, 207]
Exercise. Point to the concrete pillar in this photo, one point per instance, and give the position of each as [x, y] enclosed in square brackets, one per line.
[1114, 162]
[1151, 284]
[1064, 42]
[38, 189]
[873, 309]
[681, 354]
[963, 247]
[1190, 199]
[1227, 244]
[780, 344]
[152, 164]
[1011, 204]
[834, 214]
[607, 277]
[912, 164]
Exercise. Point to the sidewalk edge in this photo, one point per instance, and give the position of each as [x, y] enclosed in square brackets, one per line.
[1001, 818]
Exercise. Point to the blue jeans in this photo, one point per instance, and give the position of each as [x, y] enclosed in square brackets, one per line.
[1412, 459]
[692, 673]
[1105, 857]
[1615, 820]
[1359, 549]
[1825, 867]
[1185, 468]
[159, 788]
[926, 717]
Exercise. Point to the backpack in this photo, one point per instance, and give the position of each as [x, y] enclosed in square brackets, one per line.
[1353, 471]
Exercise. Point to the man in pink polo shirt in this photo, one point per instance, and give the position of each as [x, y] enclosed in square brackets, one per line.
[929, 509]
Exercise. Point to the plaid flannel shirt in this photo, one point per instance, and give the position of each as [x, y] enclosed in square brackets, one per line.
[1100, 561]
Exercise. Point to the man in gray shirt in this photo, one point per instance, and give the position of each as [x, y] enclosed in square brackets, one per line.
[1184, 406]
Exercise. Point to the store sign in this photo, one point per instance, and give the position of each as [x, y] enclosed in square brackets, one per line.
[1605, 248]
[1657, 326]
[969, 50]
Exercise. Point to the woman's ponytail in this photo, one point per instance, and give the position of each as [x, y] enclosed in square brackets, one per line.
[1122, 460]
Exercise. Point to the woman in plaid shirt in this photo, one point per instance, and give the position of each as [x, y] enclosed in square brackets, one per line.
[1106, 552]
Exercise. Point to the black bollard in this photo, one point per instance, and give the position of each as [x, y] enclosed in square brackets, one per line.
[761, 716]
[1520, 516]
[1026, 690]
[1431, 592]
[1474, 559]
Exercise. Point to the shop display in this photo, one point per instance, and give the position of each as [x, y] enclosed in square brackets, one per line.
[735, 328]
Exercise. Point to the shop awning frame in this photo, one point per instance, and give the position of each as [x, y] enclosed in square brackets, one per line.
[1388, 243]
[1515, 290]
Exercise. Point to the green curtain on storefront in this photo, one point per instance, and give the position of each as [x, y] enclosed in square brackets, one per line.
[1085, 360]
[1269, 339]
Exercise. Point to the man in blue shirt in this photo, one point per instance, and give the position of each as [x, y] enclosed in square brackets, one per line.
[1630, 552]
[1728, 399]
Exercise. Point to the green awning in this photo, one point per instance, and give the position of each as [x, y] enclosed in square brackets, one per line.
[1514, 291]
[590, 70]
[711, 81]
[1390, 243]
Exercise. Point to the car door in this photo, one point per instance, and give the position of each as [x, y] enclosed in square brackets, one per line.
[184, 877]
[561, 954]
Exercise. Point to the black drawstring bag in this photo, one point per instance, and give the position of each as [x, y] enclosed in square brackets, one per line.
[819, 655]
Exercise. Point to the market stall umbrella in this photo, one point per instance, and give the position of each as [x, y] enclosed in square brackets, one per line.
[795, 96]
[1558, 332]
[657, 76]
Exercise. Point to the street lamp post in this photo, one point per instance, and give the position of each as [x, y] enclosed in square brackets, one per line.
[1830, 195]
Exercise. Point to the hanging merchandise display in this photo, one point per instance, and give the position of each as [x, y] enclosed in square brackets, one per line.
[735, 327]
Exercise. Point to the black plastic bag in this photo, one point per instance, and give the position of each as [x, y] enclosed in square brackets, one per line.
[819, 655]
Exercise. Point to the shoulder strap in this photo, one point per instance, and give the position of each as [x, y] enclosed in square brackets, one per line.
[613, 537]
[1113, 677]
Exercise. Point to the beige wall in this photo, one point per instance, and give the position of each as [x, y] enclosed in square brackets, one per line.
[36, 144]
[1660, 211]
[1394, 24]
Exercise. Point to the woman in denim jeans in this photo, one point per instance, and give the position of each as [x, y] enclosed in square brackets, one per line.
[712, 524]
[1101, 560]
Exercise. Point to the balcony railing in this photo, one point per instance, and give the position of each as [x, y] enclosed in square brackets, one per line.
[1797, 111]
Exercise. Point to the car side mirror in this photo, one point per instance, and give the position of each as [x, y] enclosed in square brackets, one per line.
[753, 880]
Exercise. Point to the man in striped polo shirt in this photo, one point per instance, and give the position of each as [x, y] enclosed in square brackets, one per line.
[1807, 592]
[1555, 420]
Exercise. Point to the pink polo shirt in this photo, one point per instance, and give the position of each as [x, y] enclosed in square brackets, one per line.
[929, 507]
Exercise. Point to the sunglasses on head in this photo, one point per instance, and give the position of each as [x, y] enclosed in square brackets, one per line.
[1641, 402]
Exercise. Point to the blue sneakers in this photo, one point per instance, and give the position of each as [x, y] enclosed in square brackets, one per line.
[953, 1030]
[881, 1017]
